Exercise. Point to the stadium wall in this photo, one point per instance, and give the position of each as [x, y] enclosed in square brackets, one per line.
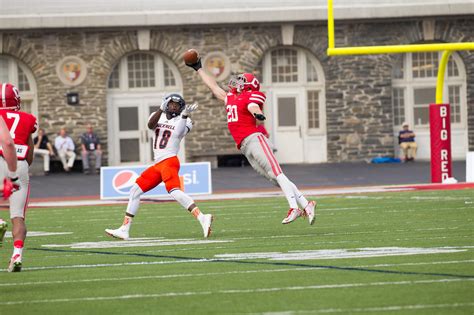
[358, 88]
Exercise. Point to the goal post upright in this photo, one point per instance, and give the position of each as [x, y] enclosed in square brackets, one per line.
[440, 125]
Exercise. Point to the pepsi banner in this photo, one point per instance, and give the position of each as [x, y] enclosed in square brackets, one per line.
[116, 181]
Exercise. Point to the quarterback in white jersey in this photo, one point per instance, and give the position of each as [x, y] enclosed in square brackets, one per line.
[170, 123]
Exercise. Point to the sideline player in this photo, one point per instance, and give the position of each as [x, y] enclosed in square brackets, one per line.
[8, 147]
[169, 129]
[21, 125]
[244, 103]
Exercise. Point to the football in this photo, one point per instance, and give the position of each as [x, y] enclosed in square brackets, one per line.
[191, 56]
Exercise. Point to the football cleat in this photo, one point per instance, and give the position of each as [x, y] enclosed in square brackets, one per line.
[15, 264]
[3, 230]
[206, 223]
[292, 215]
[310, 211]
[118, 233]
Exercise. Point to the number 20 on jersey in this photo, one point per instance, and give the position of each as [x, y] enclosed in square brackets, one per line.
[232, 115]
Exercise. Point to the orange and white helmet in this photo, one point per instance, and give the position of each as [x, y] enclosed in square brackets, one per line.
[9, 96]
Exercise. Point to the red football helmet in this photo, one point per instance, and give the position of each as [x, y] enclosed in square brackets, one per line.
[245, 82]
[10, 96]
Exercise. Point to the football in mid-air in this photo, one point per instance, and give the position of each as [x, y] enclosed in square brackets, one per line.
[191, 56]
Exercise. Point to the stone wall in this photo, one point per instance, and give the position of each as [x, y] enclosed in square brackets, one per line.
[358, 88]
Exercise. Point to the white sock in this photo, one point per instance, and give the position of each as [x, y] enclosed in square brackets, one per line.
[127, 223]
[183, 199]
[134, 199]
[285, 185]
[17, 250]
[197, 214]
[300, 198]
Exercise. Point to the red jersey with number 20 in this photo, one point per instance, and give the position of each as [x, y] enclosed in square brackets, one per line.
[21, 126]
[240, 121]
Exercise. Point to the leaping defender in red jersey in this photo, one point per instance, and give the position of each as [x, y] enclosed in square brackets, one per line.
[244, 103]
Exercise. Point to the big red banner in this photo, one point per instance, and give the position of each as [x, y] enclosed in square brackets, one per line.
[440, 129]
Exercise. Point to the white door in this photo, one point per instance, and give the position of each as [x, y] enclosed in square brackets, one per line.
[131, 139]
[288, 126]
[131, 142]
[298, 128]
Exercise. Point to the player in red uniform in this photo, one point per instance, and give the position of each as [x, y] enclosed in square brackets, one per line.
[8, 147]
[244, 103]
[21, 125]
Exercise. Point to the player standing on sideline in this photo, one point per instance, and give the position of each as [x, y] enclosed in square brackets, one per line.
[8, 147]
[169, 130]
[21, 125]
[244, 103]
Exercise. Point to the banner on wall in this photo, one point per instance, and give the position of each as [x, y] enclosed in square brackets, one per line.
[116, 181]
[440, 137]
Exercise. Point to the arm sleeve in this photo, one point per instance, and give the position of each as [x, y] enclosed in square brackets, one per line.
[181, 127]
[189, 125]
[258, 98]
[34, 126]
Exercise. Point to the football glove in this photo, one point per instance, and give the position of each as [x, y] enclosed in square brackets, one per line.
[189, 109]
[9, 187]
[163, 106]
[196, 66]
[260, 117]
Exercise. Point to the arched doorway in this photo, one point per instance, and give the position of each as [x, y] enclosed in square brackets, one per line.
[136, 87]
[296, 105]
[17, 73]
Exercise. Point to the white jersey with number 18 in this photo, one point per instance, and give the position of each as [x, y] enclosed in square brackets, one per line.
[168, 135]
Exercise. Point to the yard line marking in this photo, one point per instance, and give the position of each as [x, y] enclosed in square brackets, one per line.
[232, 291]
[340, 253]
[39, 233]
[370, 309]
[221, 273]
[136, 242]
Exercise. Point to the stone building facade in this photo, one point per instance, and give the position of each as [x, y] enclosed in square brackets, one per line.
[358, 90]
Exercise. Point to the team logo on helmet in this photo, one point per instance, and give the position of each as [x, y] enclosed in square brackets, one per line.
[123, 181]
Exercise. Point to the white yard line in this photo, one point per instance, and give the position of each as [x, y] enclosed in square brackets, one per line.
[232, 291]
[166, 262]
[390, 308]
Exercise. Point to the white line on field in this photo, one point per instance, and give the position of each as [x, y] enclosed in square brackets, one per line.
[232, 291]
[161, 262]
[389, 308]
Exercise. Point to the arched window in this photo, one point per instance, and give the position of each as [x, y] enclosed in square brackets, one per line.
[414, 88]
[294, 80]
[141, 71]
[136, 87]
[17, 73]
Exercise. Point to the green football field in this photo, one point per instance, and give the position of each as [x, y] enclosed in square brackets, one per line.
[391, 253]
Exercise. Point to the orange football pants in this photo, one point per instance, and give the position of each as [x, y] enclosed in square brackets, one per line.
[165, 171]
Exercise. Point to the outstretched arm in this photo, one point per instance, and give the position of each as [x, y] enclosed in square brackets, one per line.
[208, 80]
[212, 85]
